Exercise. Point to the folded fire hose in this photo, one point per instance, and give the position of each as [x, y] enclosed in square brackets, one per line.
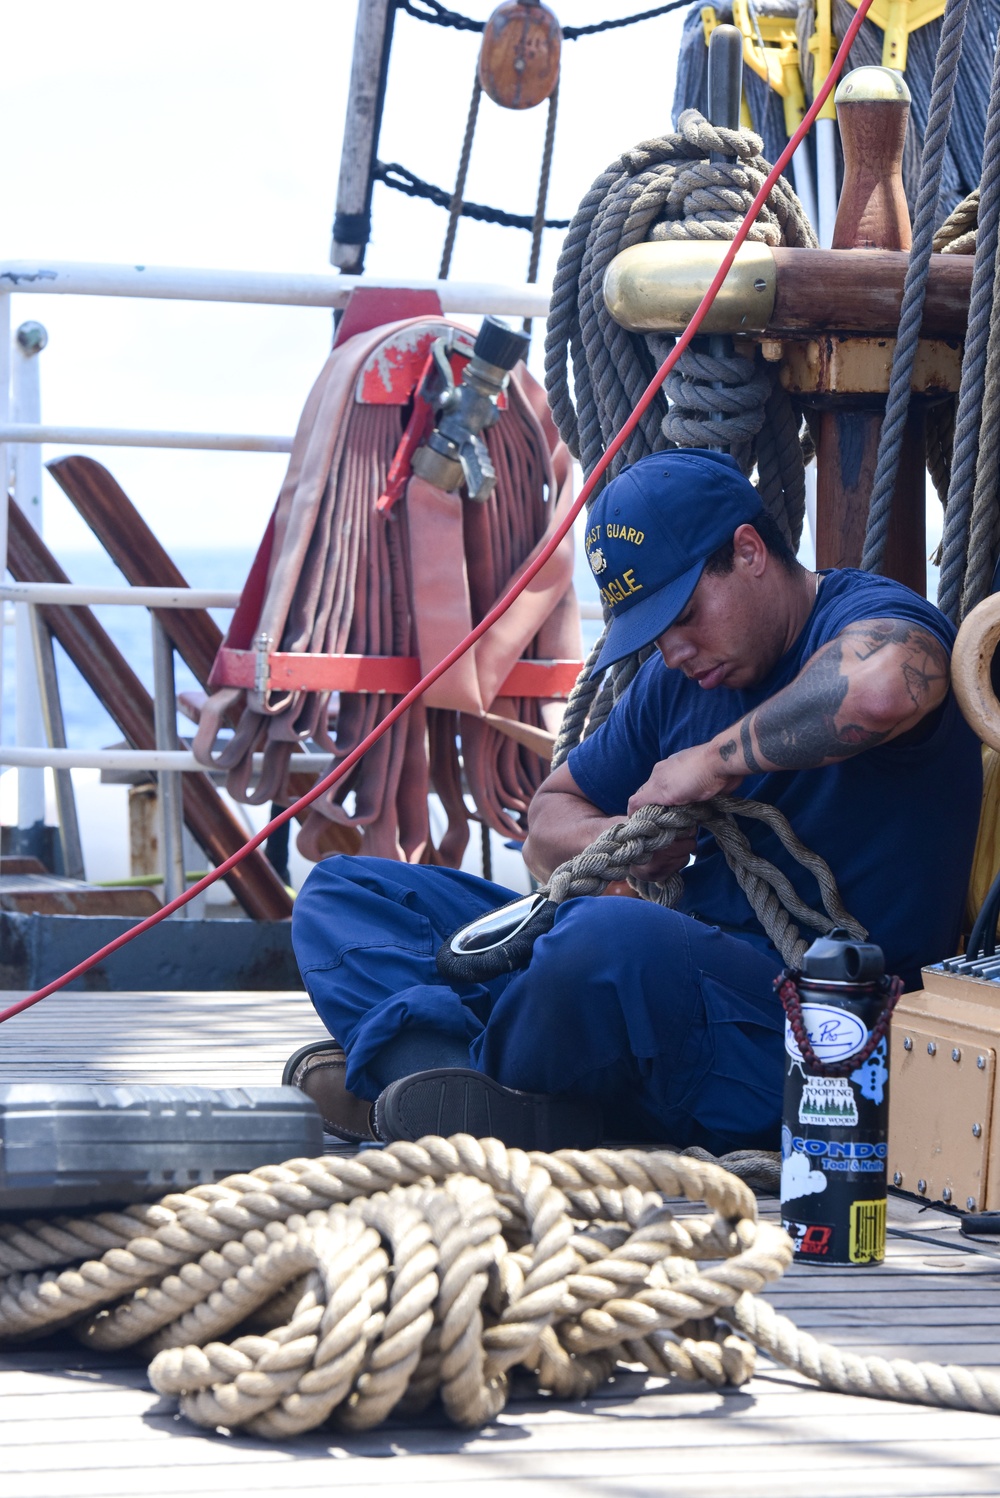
[351, 571]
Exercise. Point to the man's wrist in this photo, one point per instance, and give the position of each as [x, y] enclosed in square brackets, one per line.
[733, 751]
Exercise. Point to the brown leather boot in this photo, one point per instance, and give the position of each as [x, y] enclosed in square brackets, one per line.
[318, 1070]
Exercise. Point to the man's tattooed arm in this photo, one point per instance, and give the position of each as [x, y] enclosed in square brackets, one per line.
[876, 681]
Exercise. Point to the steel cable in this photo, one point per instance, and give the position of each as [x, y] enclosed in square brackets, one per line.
[915, 286]
[958, 512]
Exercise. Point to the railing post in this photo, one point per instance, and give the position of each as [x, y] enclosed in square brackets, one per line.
[55, 736]
[171, 816]
[31, 338]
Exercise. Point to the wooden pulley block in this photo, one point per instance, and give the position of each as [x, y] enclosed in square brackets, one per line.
[519, 58]
[972, 669]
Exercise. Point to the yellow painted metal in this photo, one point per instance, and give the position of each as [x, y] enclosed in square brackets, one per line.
[897, 19]
[771, 48]
[821, 45]
[656, 287]
[852, 365]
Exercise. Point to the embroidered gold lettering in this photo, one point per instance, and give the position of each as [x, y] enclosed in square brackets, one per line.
[620, 588]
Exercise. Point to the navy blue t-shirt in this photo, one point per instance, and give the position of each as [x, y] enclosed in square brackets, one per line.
[896, 824]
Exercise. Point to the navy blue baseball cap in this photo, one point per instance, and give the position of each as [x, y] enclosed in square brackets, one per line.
[650, 533]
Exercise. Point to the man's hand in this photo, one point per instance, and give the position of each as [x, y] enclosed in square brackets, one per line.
[693, 774]
[669, 860]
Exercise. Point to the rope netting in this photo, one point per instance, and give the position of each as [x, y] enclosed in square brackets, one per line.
[355, 1288]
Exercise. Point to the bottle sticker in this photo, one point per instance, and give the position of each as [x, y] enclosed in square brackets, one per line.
[811, 1239]
[873, 1075]
[799, 1179]
[849, 1156]
[827, 1102]
[833, 1033]
[867, 1235]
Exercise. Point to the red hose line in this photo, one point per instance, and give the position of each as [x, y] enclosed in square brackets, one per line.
[501, 607]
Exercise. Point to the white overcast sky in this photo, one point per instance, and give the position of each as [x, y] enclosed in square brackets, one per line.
[208, 134]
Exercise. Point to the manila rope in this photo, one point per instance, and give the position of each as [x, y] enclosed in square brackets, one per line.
[369, 1285]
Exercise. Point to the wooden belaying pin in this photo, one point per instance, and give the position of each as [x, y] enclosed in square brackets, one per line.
[873, 107]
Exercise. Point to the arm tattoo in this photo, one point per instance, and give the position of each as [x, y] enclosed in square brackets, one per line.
[727, 750]
[923, 660]
[802, 726]
[746, 744]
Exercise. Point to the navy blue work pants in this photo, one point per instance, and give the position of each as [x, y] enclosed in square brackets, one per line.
[670, 1025]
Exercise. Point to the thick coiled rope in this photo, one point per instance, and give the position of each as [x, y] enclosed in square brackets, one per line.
[770, 893]
[668, 189]
[915, 286]
[366, 1286]
[663, 189]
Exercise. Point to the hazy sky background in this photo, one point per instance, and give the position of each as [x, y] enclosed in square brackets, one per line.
[208, 134]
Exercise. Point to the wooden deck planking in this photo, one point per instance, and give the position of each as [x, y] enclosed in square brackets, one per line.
[72, 1420]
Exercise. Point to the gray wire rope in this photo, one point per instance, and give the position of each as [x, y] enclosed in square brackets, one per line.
[455, 207]
[958, 512]
[915, 286]
[982, 548]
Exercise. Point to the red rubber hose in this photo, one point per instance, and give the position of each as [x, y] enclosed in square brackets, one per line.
[505, 602]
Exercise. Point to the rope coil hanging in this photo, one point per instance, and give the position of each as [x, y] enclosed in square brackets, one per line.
[376, 1283]
[595, 371]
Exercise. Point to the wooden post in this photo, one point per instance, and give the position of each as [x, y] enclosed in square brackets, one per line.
[352, 223]
[873, 108]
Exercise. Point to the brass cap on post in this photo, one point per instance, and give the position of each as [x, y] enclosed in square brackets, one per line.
[872, 85]
[656, 287]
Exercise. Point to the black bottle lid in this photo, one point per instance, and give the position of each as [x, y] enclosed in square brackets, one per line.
[839, 958]
[497, 344]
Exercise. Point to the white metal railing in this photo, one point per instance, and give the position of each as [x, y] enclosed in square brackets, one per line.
[153, 598]
[173, 760]
[217, 442]
[150, 598]
[184, 283]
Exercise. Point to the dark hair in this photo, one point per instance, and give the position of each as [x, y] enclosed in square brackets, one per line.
[721, 561]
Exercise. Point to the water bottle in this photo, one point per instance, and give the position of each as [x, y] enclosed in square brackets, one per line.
[835, 1121]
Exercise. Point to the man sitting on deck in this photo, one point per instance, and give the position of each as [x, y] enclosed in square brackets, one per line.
[825, 694]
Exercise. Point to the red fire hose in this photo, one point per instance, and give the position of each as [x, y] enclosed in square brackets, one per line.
[499, 608]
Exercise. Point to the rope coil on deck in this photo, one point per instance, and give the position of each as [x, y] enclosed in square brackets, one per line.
[368, 1285]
